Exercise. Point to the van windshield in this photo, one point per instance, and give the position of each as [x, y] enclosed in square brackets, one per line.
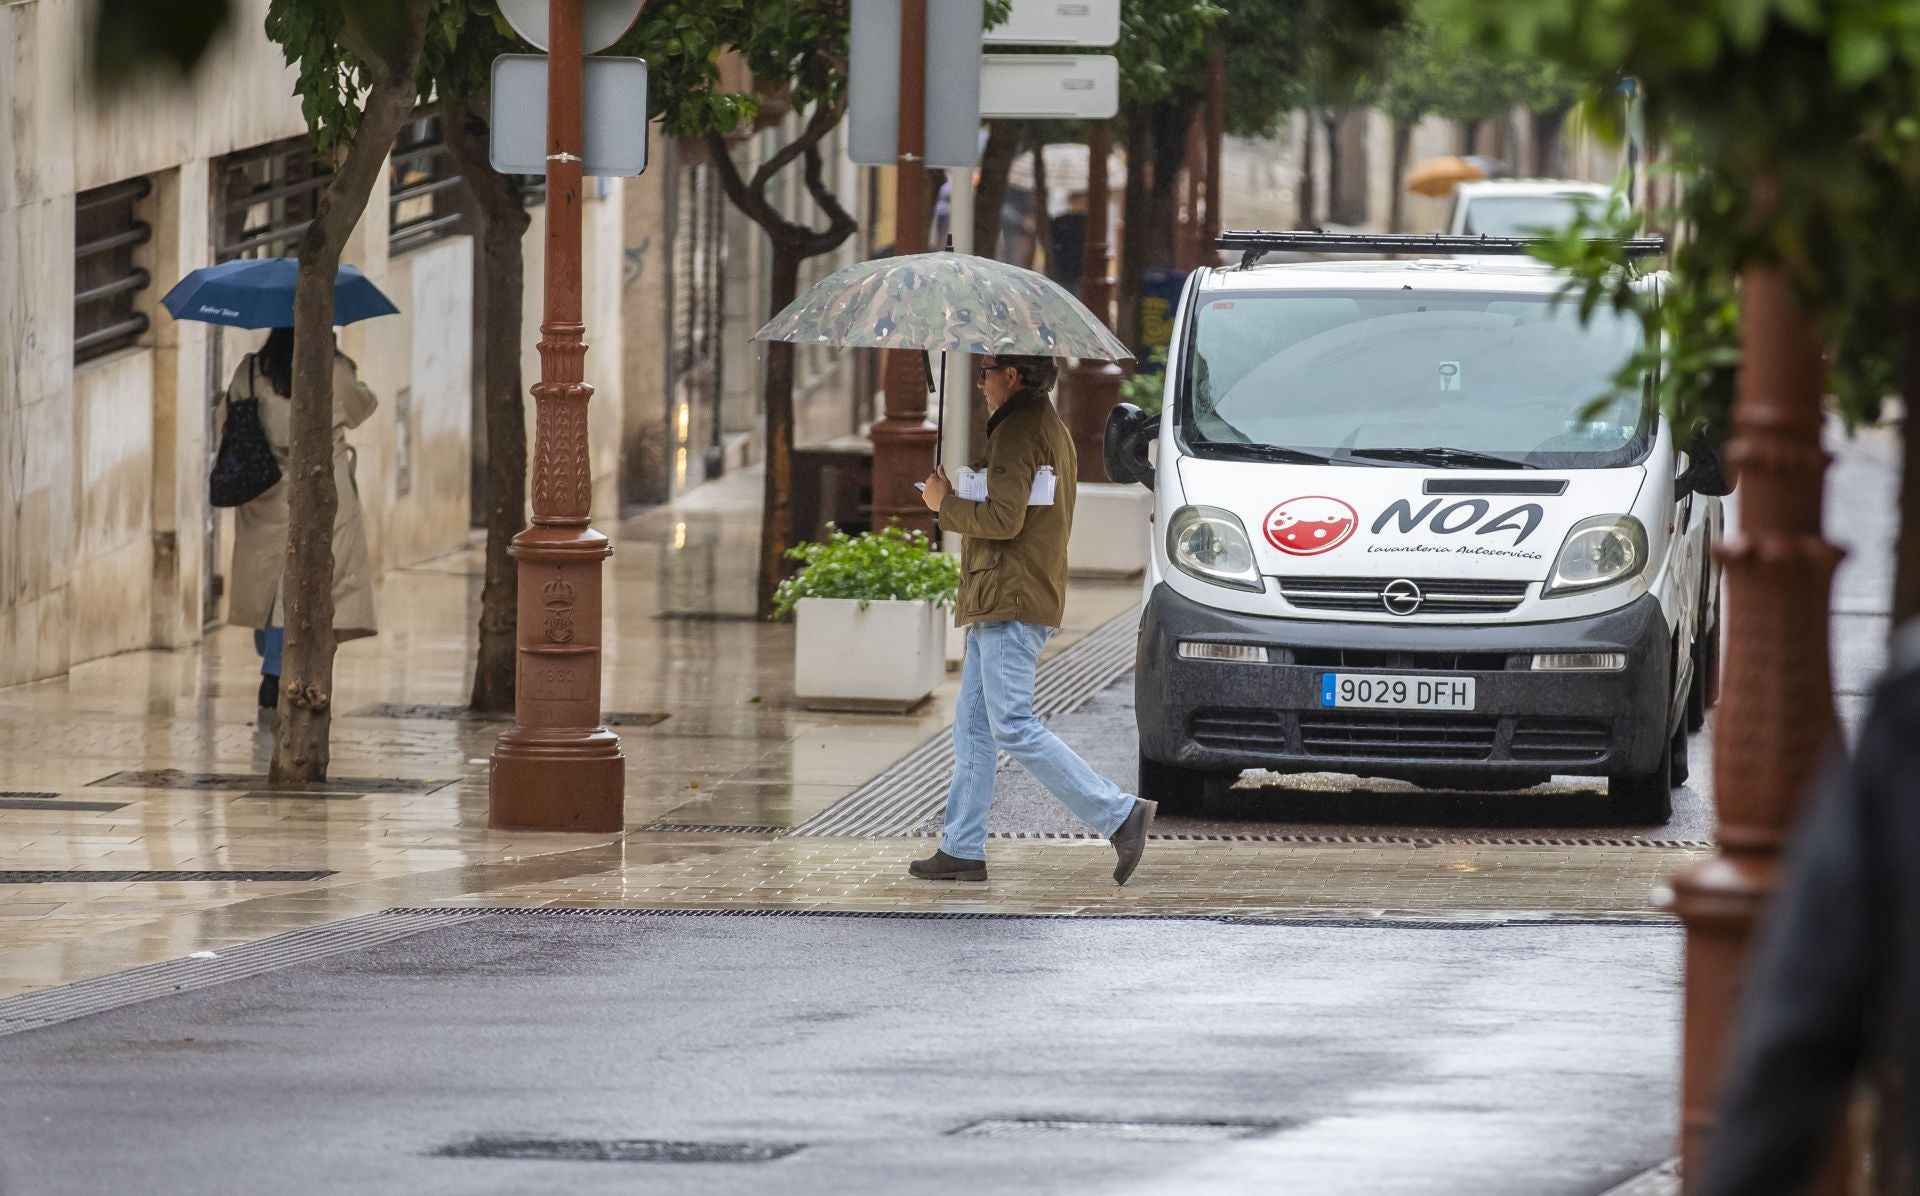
[1520, 215]
[1468, 379]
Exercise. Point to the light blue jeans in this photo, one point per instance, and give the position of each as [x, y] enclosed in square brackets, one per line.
[996, 712]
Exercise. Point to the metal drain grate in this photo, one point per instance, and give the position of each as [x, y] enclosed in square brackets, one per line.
[708, 616]
[446, 713]
[710, 828]
[1663, 1180]
[913, 790]
[95, 807]
[173, 778]
[1393, 919]
[26, 794]
[1487, 840]
[54, 1005]
[1119, 1131]
[617, 1150]
[73, 876]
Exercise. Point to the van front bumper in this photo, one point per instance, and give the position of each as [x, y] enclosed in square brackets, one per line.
[1526, 724]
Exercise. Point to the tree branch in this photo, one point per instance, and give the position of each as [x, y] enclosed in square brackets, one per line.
[840, 224]
[818, 126]
[746, 197]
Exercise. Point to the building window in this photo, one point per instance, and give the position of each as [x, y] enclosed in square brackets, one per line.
[423, 205]
[106, 280]
[267, 197]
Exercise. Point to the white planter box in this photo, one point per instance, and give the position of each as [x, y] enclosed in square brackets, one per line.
[1110, 529]
[956, 641]
[886, 657]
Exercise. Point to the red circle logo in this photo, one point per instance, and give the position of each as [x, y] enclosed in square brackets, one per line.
[1310, 525]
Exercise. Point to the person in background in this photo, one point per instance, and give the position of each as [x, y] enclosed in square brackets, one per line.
[261, 526]
[1013, 592]
[1835, 976]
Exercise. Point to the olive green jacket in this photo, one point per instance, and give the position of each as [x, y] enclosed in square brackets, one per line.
[1013, 562]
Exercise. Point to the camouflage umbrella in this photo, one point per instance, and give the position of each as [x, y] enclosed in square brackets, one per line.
[945, 302]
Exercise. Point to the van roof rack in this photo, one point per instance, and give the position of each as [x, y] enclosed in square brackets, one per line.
[1257, 243]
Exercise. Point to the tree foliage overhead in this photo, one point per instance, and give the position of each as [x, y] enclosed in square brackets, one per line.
[1797, 126]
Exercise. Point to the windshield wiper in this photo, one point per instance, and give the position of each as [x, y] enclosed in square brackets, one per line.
[1446, 458]
[1265, 452]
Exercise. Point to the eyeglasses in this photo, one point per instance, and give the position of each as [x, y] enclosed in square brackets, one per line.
[992, 369]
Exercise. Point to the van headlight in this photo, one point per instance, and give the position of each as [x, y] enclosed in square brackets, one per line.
[1210, 544]
[1599, 552]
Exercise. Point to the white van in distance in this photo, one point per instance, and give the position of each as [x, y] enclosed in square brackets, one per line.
[1407, 525]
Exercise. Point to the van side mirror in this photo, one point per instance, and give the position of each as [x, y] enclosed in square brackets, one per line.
[1129, 432]
[1703, 471]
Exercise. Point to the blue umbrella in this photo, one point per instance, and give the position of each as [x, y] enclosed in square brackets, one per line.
[258, 293]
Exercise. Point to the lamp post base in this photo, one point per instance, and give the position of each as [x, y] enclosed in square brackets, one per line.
[544, 780]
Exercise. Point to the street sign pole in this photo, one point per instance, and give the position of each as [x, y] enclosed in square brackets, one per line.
[557, 768]
[903, 441]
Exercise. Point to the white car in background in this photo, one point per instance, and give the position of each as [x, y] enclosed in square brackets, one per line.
[1517, 207]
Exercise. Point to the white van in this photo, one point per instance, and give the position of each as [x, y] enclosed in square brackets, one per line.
[1515, 207]
[1407, 526]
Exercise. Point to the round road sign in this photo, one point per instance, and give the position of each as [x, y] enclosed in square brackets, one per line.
[604, 22]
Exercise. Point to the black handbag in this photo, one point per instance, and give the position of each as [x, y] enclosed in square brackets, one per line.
[245, 467]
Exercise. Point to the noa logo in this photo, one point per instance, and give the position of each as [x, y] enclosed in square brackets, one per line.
[1310, 525]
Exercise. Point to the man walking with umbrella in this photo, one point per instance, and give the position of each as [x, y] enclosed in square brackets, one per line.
[1012, 595]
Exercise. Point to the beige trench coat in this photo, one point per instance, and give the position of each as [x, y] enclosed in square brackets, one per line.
[260, 527]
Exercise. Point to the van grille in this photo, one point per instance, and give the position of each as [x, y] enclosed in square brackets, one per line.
[1559, 740]
[1440, 596]
[1386, 733]
[1240, 730]
[1405, 662]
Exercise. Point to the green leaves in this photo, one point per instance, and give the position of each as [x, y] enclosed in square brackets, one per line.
[871, 567]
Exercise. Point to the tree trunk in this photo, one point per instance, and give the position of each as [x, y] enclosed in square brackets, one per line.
[1546, 142]
[793, 243]
[1397, 202]
[503, 227]
[1307, 180]
[1133, 225]
[990, 197]
[1330, 129]
[300, 748]
[1172, 120]
[1042, 218]
[777, 396]
[1906, 563]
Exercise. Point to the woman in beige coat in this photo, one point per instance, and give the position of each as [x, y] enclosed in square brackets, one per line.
[260, 528]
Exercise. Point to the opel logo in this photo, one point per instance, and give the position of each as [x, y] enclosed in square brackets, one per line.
[1401, 597]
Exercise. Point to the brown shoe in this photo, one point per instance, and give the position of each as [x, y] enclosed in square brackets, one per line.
[1131, 839]
[941, 866]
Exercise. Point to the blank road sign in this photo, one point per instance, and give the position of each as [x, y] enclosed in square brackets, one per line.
[1049, 86]
[614, 116]
[953, 82]
[602, 22]
[1059, 23]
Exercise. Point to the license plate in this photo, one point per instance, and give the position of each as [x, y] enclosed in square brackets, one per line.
[1385, 691]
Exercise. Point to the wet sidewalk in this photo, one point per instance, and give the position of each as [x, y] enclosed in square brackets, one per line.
[135, 823]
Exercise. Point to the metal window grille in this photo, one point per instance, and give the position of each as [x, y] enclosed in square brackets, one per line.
[267, 197]
[108, 232]
[423, 199]
[532, 189]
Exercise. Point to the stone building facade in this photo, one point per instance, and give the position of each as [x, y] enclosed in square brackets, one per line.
[107, 542]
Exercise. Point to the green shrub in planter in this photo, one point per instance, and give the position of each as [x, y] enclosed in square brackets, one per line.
[890, 564]
[1145, 390]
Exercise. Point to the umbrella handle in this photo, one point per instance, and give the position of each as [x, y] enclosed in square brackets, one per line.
[940, 425]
